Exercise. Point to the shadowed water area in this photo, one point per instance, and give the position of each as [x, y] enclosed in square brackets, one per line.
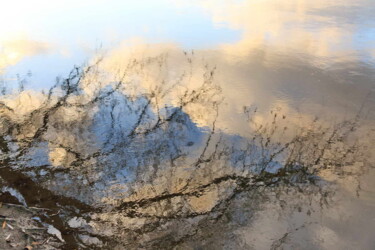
[188, 125]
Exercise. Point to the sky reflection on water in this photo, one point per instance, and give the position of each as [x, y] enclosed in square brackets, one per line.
[327, 46]
[298, 57]
[42, 34]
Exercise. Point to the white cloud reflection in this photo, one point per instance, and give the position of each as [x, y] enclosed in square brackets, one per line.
[13, 51]
[322, 28]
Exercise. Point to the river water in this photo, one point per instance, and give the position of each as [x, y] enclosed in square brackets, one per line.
[241, 124]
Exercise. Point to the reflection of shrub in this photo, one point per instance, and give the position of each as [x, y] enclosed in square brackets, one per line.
[310, 150]
[88, 119]
[143, 154]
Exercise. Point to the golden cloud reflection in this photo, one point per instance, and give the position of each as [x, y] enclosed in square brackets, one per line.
[60, 157]
[14, 50]
[154, 134]
[262, 78]
[314, 28]
[101, 130]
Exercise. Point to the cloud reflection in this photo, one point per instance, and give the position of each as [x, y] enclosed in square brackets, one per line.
[319, 28]
[294, 57]
[14, 50]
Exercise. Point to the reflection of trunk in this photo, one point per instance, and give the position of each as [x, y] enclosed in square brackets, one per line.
[53, 205]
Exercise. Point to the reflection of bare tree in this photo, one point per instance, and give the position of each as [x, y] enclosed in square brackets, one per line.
[141, 171]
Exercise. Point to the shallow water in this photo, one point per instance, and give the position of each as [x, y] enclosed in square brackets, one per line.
[187, 124]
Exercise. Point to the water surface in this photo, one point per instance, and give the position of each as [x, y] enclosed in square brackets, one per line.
[155, 123]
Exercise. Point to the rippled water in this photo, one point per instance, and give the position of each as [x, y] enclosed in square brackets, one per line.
[190, 124]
